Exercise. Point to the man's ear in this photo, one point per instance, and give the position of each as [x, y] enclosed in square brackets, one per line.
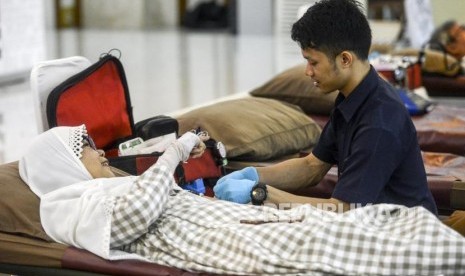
[346, 58]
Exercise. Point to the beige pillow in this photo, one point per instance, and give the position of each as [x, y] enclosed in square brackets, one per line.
[19, 206]
[254, 129]
[434, 61]
[294, 87]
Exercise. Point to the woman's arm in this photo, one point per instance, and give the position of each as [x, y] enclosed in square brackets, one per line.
[284, 200]
[135, 211]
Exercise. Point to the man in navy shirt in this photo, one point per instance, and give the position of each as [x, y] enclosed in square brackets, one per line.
[370, 135]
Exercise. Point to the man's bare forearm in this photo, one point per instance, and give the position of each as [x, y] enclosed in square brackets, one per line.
[293, 174]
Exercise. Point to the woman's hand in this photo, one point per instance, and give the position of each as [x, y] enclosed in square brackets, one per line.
[199, 149]
[187, 146]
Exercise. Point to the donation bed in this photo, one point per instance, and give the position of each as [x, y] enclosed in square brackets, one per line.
[281, 119]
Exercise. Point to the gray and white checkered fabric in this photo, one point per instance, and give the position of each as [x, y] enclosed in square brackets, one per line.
[198, 234]
[141, 206]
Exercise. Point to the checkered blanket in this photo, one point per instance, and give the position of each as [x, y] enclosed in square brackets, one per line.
[198, 234]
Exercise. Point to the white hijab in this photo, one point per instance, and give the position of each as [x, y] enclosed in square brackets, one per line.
[75, 209]
[53, 160]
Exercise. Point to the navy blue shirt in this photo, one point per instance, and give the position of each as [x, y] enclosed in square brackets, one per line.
[372, 139]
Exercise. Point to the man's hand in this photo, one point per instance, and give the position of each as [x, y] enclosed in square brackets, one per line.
[236, 186]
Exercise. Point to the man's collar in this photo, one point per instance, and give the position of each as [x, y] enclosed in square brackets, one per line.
[348, 106]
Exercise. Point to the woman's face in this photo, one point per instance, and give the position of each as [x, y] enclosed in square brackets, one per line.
[457, 48]
[95, 162]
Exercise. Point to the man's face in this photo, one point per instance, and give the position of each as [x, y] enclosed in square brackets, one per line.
[95, 162]
[325, 73]
[457, 48]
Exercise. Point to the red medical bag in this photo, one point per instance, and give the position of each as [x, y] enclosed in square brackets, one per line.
[99, 98]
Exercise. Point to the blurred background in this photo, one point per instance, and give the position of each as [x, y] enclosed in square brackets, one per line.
[176, 53]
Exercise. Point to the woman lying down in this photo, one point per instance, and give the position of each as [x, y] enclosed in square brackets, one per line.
[149, 217]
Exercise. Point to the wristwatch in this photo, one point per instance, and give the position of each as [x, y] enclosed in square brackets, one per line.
[259, 194]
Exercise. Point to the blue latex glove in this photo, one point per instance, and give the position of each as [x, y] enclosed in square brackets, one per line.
[236, 186]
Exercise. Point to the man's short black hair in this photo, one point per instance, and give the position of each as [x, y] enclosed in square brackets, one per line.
[333, 26]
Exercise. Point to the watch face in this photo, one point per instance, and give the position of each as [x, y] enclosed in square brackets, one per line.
[259, 194]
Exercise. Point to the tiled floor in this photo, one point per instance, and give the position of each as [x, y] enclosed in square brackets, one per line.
[166, 70]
